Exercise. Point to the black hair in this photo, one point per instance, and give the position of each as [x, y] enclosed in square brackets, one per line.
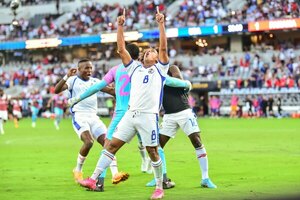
[133, 50]
[83, 60]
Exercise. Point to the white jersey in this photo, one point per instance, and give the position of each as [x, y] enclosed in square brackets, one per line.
[147, 84]
[77, 86]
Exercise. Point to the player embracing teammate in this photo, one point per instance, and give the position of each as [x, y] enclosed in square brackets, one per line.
[147, 81]
[147, 78]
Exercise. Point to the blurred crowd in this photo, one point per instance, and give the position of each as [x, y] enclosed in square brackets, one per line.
[29, 2]
[95, 17]
[38, 77]
[250, 70]
[239, 107]
[199, 12]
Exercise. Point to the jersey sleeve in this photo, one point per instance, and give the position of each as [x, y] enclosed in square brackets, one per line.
[70, 82]
[110, 75]
[131, 66]
[164, 67]
[175, 82]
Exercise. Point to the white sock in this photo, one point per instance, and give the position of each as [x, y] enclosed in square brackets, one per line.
[203, 161]
[114, 167]
[143, 153]
[80, 162]
[1, 127]
[158, 174]
[104, 161]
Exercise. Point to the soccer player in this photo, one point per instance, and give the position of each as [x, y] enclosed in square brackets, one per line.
[86, 123]
[119, 76]
[17, 114]
[121, 80]
[60, 102]
[234, 105]
[179, 114]
[3, 110]
[147, 80]
[36, 102]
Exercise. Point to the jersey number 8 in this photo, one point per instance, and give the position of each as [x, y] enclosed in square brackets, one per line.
[146, 79]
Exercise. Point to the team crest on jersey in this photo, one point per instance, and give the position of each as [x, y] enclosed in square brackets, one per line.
[151, 71]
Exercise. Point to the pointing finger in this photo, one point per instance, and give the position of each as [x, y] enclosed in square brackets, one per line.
[124, 12]
[157, 9]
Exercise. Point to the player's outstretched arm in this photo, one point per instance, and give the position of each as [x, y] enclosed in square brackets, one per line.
[175, 82]
[61, 85]
[175, 73]
[89, 92]
[109, 90]
[163, 45]
[125, 56]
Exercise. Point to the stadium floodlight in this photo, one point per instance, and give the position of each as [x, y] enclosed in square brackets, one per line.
[14, 4]
[15, 23]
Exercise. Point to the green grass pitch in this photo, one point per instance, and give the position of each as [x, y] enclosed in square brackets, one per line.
[248, 159]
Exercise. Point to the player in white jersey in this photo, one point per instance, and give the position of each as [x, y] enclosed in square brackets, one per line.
[3, 109]
[85, 121]
[147, 81]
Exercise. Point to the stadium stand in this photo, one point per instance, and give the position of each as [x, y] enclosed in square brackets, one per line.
[74, 19]
[264, 67]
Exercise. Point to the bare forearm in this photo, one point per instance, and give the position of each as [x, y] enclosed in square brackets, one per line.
[125, 56]
[60, 86]
[163, 45]
[162, 37]
[120, 39]
[109, 90]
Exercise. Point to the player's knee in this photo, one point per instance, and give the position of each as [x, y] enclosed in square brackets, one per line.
[112, 147]
[196, 140]
[153, 154]
[88, 144]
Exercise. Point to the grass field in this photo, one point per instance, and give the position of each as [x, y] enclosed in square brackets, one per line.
[248, 159]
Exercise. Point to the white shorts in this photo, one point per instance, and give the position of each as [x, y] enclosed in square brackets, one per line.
[3, 115]
[186, 120]
[18, 114]
[88, 122]
[146, 124]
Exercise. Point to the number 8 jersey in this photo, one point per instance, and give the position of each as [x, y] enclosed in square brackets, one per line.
[147, 84]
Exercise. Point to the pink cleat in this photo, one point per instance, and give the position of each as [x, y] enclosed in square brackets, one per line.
[88, 183]
[157, 194]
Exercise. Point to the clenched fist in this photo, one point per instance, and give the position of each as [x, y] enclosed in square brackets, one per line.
[160, 18]
[121, 19]
[72, 72]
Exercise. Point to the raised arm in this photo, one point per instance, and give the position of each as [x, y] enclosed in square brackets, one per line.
[61, 85]
[163, 45]
[125, 56]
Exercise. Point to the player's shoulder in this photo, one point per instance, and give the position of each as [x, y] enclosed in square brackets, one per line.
[72, 78]
[94, 80]
[114, 69]
[134, 63]
[161, 64]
